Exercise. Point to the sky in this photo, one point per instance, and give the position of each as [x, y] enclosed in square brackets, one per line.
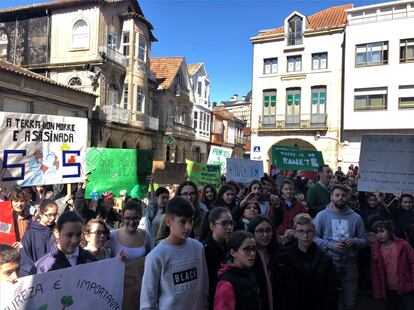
[217, 33]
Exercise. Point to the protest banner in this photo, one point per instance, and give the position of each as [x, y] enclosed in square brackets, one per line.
[171, 173]
[79, 287]
[386, 164]
[243, 170]
[38, 149]
[218, 156]
[296, 159]
[134, 271]
[203, 174]
[118, 170]
[7, 234]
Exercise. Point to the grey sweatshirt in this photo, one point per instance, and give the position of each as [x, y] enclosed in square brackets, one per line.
[175, 277]
[332, 227]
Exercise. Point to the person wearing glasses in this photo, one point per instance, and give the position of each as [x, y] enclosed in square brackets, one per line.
[96, 234]
[130, 240]
[237, 286]
[38, 238]
[314, 275]
[219, 228]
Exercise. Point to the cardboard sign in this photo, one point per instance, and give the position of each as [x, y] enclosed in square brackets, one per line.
[386, 164]
[296, 159]
[40, 149]
[7, 233]
[80, 287]
[203, 174]
[134, 271]
[218, 156]
[243, 170]
[171, 173]
[117, 170]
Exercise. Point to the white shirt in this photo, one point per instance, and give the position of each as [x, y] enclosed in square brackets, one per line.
[73, 258]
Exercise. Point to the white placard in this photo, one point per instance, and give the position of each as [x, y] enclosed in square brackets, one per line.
[244, 170]
[218, 156]
[38, 149]
[96, 285]
[387, 164]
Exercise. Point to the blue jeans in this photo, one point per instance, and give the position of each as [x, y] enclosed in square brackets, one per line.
[349, 284]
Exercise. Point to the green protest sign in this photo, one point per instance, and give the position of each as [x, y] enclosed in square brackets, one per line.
[296, 159]
[203, 174]
[118, 170]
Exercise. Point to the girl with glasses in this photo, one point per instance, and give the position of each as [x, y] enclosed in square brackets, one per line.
[237, 286]
[96, 233]
[130, 240]
[38, 238]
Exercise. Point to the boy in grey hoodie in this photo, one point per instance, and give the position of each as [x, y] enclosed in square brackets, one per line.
[340, 233]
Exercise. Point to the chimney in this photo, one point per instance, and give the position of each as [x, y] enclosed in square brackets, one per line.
[234, 98]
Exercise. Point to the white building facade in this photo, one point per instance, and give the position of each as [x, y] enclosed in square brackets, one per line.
[379, 73]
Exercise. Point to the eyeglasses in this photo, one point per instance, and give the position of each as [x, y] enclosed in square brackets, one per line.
[225, 223]
[49, 216]
[252, 208]
[132, 219]
[307, 232]
[188, 194]
[262, 232]
[99, 232]
[249, 250]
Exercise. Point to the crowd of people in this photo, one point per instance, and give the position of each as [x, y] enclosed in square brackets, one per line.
[281, 242]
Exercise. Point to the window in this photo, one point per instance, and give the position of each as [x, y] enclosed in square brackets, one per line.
[125, 96]
[370, 98]
[142, 51]
[407, 50]
[269, 107]
[125, 43]
[112, 40]
[3, 44]
[75, 81]
[318, 105]
[80, 34]
[293, 96]
[406, 96]
[319, 61]
[294, 63]
[195, 120]
[140, 99]
[113, 97]
[199, 87]
[208, 124]
[295, 30]
[372, 54]
[270, 66]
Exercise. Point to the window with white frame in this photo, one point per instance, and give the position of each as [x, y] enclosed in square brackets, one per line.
[113, 97]
[112, 40]
[370, 98]
[406, 50]
[406, 96]
[195, 120]
[80, 34]
[294, 63]
[199, 87]
[125, 43]
[319, 61]
[371, 54]
[208, 124]
[125, 96]
[270, 66]
[140, 99]
[142, 51]
[269, 107]
[3, 44]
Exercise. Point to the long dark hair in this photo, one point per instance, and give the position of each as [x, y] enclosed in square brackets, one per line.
[256, 222]
[220, 202]
[211, 217]
[209, 203]
[196, 203]
[236, 240]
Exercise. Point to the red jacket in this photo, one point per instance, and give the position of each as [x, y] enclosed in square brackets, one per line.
[405, 270]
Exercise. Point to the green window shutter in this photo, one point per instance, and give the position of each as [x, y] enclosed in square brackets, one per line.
[314, 98]
[266, 101]
[290, 100]
[322, 97]
[273, 101]
[297, 99]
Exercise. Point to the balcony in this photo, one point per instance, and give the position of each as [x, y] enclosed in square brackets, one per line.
[295, 38]
[143, 120]
[240, 140]
[174, 127]
[115, 114]
[295, 122]
[113, 56]
[180, 91]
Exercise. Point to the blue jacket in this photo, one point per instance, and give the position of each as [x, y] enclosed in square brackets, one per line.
[36, 242]
[56, 259]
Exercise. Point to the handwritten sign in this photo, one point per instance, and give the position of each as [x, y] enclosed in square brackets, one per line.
[296, 159]
[218, 156]
[386, 163]
[203, 174]
[171, 173]
[7, 234]
[243, 170]
[40, 149]
[117, 170]
[80, 287]
[134, 271]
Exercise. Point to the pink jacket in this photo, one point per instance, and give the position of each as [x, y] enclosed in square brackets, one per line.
[405, 269]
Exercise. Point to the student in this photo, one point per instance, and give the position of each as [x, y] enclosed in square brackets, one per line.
[370, 206]
[314, 273]
[66, 252]
[318, 195]
[155, 211]
[38, 238]
[249, 210]
[237, 285]
[226, 197]
[221, 227]
[9, 263]
[105, 210]
[402, 214]
[96, 233]
[209, 195]
[21, 216]
[175, 273]
[392, 268]
[129, 239]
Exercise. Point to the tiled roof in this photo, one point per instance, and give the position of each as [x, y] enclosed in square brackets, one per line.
[165, 70]
[46, 5]
[192, 68]
[9, 67]
[329, 18]
[225, 114]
